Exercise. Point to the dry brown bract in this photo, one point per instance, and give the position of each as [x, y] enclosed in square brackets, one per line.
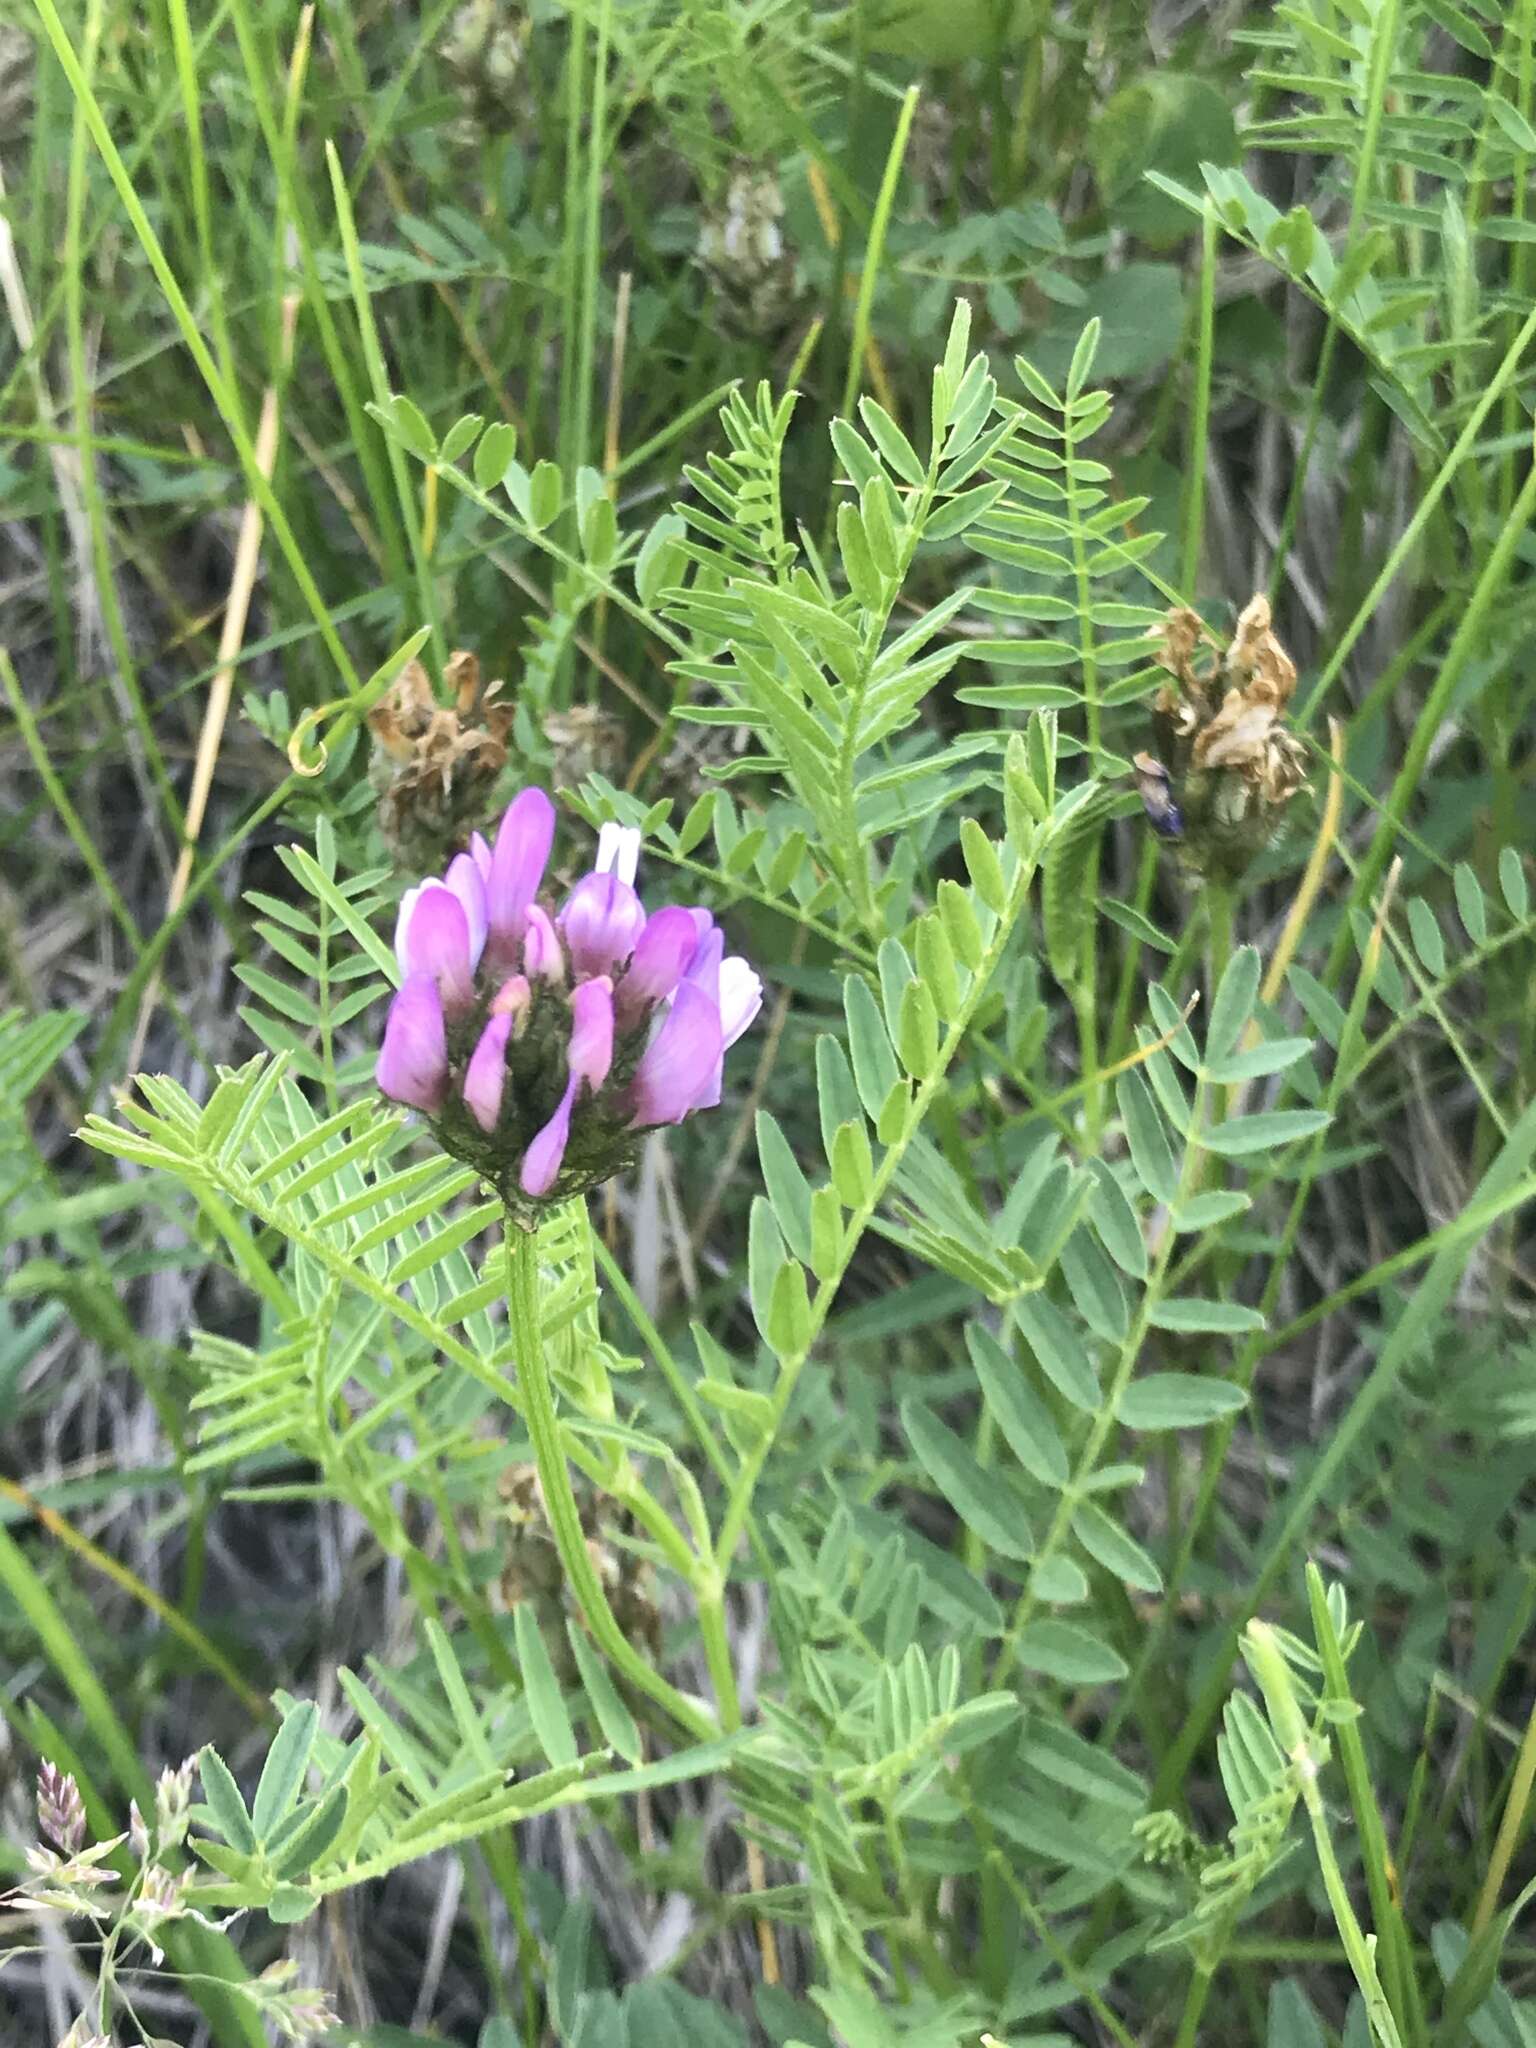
[435, 764]
[1229, 769]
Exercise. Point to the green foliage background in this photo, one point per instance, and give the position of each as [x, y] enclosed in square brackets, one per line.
[1049, 1549]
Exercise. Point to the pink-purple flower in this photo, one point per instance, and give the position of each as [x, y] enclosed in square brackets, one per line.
[540, 1042]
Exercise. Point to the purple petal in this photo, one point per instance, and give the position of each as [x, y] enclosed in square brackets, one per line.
[704, 968]
[464, 879]
[517, 868]
[437, 943]
[485, 1078]
[704, 975]
[668, 943]
[480, 854]
[413, 1060]
[680, 1060]
[741, 997]
[541, 1162]
[591, 1053]
[601, 923]
[541, 948]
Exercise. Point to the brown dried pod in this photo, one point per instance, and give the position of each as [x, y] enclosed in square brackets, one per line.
[1225, 764]
[436, 763]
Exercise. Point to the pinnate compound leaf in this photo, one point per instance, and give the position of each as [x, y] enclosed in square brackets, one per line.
[282, 1775]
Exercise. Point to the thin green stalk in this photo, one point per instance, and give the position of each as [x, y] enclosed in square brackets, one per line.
[592, 234]
[1511, 1827]
[1402, 1985]
[575, 399]
[1219, 1434]
[738, 1507]
[1303, 1751]
[378, 377]
[1200, 411]
[229, 411]
[1464, 644]
[1194, 2005]
[1106, 1416]
[536, 1402]
[1502, 381]
[297, 204]
[661, 1352]
[202, 204]
[58, 795]
[143, 747]
[874, 249]
[1383, 47]
[1427, 1304]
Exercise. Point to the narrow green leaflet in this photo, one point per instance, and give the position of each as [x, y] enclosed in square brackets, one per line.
[1178, 1400]
[979, 1497]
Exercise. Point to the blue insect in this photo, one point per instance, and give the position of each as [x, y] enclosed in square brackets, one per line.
[1152, 780]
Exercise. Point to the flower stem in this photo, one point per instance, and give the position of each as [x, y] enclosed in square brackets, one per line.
[536, 1399]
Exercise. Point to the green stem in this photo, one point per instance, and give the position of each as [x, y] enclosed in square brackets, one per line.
[1511, 1827]
[1194, 2006]
[875, 248]
[1200, 411]
[536, 1399]
[739, 1506]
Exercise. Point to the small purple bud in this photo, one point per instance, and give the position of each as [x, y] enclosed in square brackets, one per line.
[517, 868]
[464, 879]
[681, 1059]
[601, 923]
[485, 1078]
[541, 1162]
[413, 1060]
[666, 946]
[591, 1053]
[542, 956]
[436, 941]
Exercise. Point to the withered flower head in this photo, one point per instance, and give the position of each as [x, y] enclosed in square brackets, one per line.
[742, 247]
[484, 49]
[1223, 770]
[435, 763]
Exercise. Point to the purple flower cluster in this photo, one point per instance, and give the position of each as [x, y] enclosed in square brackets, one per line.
[540, 1045]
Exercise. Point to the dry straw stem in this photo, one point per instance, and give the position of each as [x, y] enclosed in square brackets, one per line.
[231, 639]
